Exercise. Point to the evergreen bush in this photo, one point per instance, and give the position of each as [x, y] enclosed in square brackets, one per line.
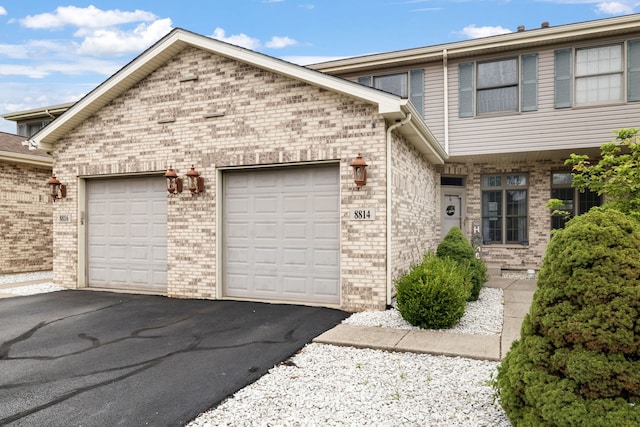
[457, 247]
[578, 360]
[433, 294]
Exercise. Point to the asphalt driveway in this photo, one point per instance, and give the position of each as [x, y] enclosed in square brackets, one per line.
[87, 358]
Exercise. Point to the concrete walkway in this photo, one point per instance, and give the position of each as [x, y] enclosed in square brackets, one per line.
[518, 294]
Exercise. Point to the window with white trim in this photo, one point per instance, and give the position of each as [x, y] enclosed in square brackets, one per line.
[574, 201]
[505, 208]
[408, 84]
[498, 86]
[597, 75]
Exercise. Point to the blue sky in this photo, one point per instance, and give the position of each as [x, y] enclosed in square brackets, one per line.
[52, 53]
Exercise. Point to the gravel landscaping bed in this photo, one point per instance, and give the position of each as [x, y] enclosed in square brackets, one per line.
[325, 385]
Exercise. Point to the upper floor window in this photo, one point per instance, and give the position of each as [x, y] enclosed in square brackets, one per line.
[503, 85]
[597, 75]
[573, 200]
[406, 85]
[505, 208]
[31, 128]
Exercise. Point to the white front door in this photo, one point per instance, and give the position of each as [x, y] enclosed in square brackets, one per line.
[281, 234]
[127, 233]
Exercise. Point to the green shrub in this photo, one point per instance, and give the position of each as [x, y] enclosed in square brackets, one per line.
[578, 360]
[433, 294]
[457, 247]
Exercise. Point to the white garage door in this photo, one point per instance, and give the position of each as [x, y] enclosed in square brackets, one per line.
[282, 234]
[127, 233]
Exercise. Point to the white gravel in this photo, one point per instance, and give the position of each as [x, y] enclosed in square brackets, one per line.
[25, 277]
[325, 385]
[45, 286]
[481, 317]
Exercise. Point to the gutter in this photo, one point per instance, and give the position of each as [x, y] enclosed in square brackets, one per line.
[390, 129]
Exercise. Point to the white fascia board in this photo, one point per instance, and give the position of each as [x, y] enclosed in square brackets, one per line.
[7, 156]
[422, 137]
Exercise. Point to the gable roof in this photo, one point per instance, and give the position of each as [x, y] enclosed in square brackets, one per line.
[392, 107]
[534, 38]
[13, 149]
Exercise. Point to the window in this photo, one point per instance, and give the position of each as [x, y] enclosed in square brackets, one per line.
[574, 201]
[597, 75]
[406, 85]
[504, 208]
[504, 85]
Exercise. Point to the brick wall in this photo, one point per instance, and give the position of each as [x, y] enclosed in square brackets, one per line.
[25, 218]
[260, 119]
[515, 257]
[416, 207]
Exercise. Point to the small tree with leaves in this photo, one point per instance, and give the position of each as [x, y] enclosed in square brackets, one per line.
[616, 175]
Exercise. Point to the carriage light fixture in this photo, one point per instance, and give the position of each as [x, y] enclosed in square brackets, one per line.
[195, 181]
[359, 171]
[174, 183]
[57, 189]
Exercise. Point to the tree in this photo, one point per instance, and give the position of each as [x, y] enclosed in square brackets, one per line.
[616, 175]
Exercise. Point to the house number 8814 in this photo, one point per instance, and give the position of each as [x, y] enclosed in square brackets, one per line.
[363, 215]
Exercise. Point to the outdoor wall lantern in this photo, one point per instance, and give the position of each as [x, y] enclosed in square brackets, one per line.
[196, 182]
[58, 190]
[174, 183]
[359, 171]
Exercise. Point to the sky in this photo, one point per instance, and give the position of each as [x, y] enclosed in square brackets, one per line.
[56, 52]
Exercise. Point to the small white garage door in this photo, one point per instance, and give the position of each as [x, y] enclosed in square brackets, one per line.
[127, 233]
[281, 237]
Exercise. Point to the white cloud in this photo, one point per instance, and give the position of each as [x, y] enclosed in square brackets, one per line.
[3, 11]
[614, 8]
[241, 39]
[622, 7]
[280, 42]
[113, 41]
[486, 31]
[89, 17]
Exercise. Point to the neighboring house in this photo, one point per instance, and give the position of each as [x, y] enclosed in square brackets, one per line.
[25, 214]
[29, 122]
[280, 217]
[509, 110]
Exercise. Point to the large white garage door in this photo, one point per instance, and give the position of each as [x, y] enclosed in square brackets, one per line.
[282, 234]
[127, 233]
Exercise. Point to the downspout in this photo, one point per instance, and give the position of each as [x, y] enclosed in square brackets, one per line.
[49, 114]
[445, 72]
[389, 203]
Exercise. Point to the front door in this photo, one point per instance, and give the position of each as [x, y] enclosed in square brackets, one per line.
[452, 212]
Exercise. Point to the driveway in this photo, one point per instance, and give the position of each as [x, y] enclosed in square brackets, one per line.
[88, 358]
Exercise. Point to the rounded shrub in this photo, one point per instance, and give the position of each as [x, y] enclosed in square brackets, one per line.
[578, 360]
[433, 294]
[457, 247]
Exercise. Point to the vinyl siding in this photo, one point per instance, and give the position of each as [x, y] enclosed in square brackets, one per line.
[546, 129]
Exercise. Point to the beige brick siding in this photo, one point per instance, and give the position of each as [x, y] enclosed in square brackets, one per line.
[416, 207]
[25, 218]
[515, 257]
[262, 119]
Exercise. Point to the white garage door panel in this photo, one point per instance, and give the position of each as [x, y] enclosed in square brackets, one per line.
[281, 234]
[127, 234]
